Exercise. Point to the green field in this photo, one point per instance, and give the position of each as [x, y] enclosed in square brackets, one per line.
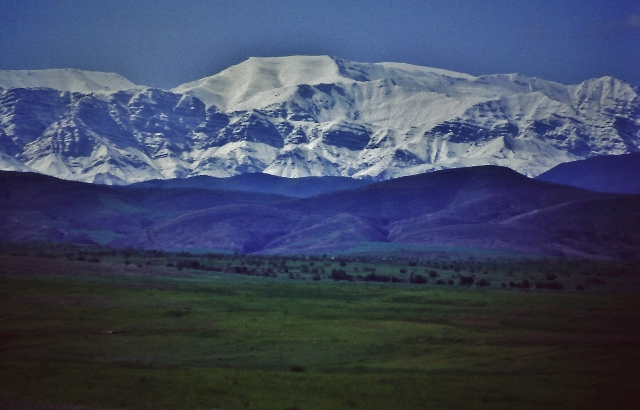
[129, 331]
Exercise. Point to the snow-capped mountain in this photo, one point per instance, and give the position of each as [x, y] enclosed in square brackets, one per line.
[307, 116]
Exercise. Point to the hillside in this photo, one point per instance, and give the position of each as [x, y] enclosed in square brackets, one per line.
[615, 174]
[486, 207]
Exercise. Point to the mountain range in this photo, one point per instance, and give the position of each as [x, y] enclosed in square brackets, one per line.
[304, 116]
[486, 207]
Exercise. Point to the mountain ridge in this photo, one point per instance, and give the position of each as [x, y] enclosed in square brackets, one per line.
[65, 79]
[306, 116]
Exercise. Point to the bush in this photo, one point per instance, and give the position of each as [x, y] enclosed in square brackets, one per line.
[372, 277]
[339, 274]
[418, 279]
[433, 274]
[522, 285]
[466, 280]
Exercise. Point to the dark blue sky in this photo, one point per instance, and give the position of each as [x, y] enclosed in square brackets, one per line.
[166, 43]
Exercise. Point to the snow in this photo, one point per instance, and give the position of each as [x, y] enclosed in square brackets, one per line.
[281, 116]
[257, 75]
[65, 80]
[8, 163]
[298, 162]
[413, 70]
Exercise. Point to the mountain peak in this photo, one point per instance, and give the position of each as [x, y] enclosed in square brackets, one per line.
[229, 89]
[257, 75]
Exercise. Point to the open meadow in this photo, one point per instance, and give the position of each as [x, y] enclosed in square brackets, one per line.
[92, 328]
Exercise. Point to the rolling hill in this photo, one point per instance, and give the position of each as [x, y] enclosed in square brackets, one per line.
[611, 173]
[484, 207]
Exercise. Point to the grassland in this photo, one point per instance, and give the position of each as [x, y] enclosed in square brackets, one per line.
[94, 328]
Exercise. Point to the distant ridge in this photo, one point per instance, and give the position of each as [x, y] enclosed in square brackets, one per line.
[616, 174]
[265, 183]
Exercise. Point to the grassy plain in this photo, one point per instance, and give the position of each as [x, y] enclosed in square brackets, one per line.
[111, 335]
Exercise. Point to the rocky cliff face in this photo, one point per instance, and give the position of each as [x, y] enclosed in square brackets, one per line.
[307, 116]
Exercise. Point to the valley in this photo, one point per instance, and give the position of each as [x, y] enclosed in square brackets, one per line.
[311, 232]
[89, 327]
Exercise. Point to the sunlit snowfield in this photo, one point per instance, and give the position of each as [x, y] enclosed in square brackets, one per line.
[94, 328]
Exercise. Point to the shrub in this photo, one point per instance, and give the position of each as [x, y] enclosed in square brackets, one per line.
[466, 280]
[372, 277]
[339, 274]
[418, 279]
[522, 285]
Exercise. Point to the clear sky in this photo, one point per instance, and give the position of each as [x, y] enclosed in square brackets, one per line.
[166, 43]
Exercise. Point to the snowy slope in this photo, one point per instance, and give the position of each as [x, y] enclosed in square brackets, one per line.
[260, 77]
[65, 80]
[312, 116]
